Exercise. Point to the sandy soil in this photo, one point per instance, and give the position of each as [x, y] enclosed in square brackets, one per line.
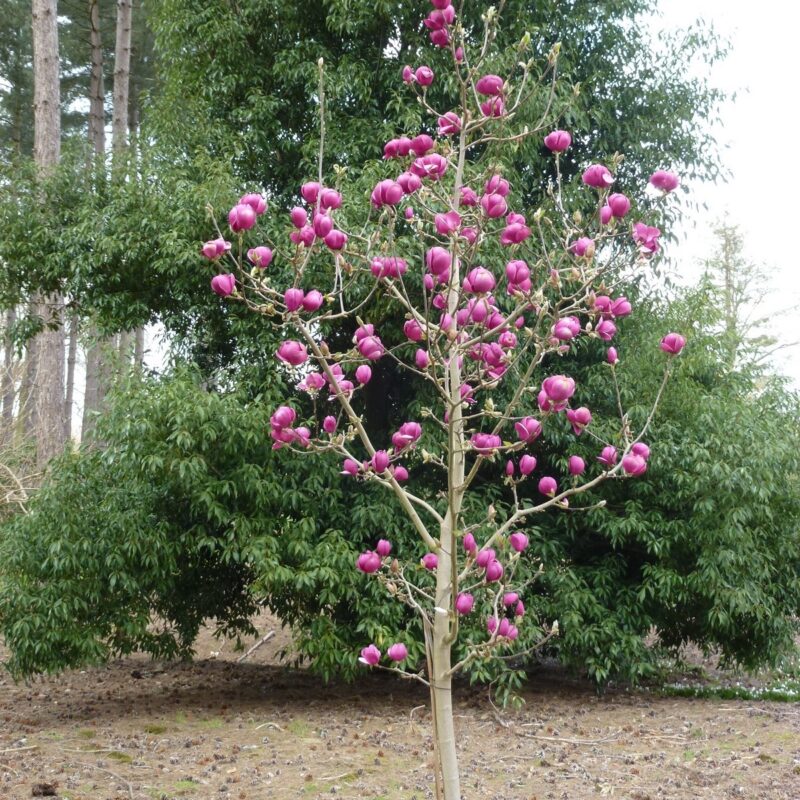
[256, 730]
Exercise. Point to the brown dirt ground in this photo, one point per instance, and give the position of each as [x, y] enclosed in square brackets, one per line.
[256, 730]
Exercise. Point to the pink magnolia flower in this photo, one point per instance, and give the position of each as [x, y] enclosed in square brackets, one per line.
[438, 260]
[350, 467]
[509, 598]
[370, 656]
[310, 192]
[465, 602]
[608, 456]
[489, 85]
[368, 562]
[424, 75]
[336, 240]
[566, 328]
[386, 193]
[548, 486]
[449, 124]
[363, 374]
[312, 300]
[484, 557]
[528, 429]
[485, 443]
[413, 330]
[440, 18]
[422, 359]
[557, 141]
[619, 205]
[293, 299]
[510, 468]
[408, 74]
[241, 218]
[299, 217]
[491, 624]
[479, 281]
[634, 465]
[409, 182]
[447, 223]
[605, 329]
[583, 247]
[459, 55]
[440, 38]
[577, 466]
[330, 199]
[422, 144]
[409, 213]
[399, 472]
[431, 166]
[322, 224]
[304, 236]
[519, 611]
[397, 652]
[518, 541]
[579, 418]
[283, 417]
[293, 353]
[527, 464]
[260, 256]
[666, 181]
[673, 343]
[494, 571]
[646, 237]
[611, 356]
[223, 285]
[558, 388]
[641, 449]
[515, 233]
[493, 107]
[388, 266]
[329, 424]
[255, 201]
[494, 205]
[518, 276]
[380, 461]
[621, 307]
[497, 184]
[598, 176]
[469, 543]
[409, 433]
[215, 248]
[606, 214]
[430, 561]
[468, 196]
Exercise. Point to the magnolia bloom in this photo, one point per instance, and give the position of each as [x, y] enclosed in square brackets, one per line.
[399, 472]
[612, 356]
[619, 205]
[449, 124]
[494, 205]
[432, 166]
[292, 353]
[368, 562]
[484, 557]
[493, 107]
[322, 224]
[666, 181]
[215, 248]
[363, 374]
[468, 197]
[646, 237]
[634, 465]
[283, 417]
[519, 611]
[673, 343]
[494, 571]
[422, 144]
[518, 276]
[438, 260]
[304, 236]
[371, 348]
[350, 467]
[408, 434]
[621, 307]
[518, 541]
[330, 199]
[479, 281]
[223, 285]
[583, 247]
[605, 329]
[489, 85]
[422, 359]
[370, 656]
[641, 449]
[608, 456]
[329, 424]
[528, 429]
[465, 602]
[485, 443]
[424, 76]
[598, 176]
[386, 193]
[310, 192]
[241, 217]
[312, 300]
[577, 466]
[557, 141]
[293, 299]
[515, 233]
[380, 461]
[579, 418]
[527, 464]
[255, 201]
[430, 561]
[397, 652]
[558, 388]
[260, 256]
[409, 182]
[509, 598]
[298, 216]
[566, 328]
[469, 543]
[447, 223]
[336, 240]
[413, 330]
[605, 215]
[548, 486]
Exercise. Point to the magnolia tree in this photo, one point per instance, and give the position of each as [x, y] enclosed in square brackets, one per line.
[488, 302]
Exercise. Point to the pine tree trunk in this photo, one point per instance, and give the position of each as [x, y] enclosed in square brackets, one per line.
[138, 349]
[48, 388]
[26, 408]
[97, 117]
[72, 356]
[122, 74]
[8, 379]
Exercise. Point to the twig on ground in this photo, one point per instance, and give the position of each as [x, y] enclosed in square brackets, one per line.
[19, 749]
[263, 640]
[269, 725]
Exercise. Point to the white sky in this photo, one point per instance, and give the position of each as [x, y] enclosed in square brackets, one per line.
[759, 133]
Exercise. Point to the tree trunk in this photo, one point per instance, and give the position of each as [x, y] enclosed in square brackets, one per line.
[72, 356]
[48, 388]
[97, 115]
[8, 379]
[26, 408]
[122, 74]
[138, 349]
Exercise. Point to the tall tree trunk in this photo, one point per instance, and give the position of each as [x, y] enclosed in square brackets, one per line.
[97, 115]
[72, 357]
[138, 349]
[8, 379]
[48, 389]
[122, 75]
[26, 407]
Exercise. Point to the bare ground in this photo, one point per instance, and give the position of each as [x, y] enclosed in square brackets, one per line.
[255, 730]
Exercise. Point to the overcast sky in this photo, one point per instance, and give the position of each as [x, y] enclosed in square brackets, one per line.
[759, 131]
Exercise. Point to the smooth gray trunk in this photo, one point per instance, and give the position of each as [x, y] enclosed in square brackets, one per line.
[8, 392]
